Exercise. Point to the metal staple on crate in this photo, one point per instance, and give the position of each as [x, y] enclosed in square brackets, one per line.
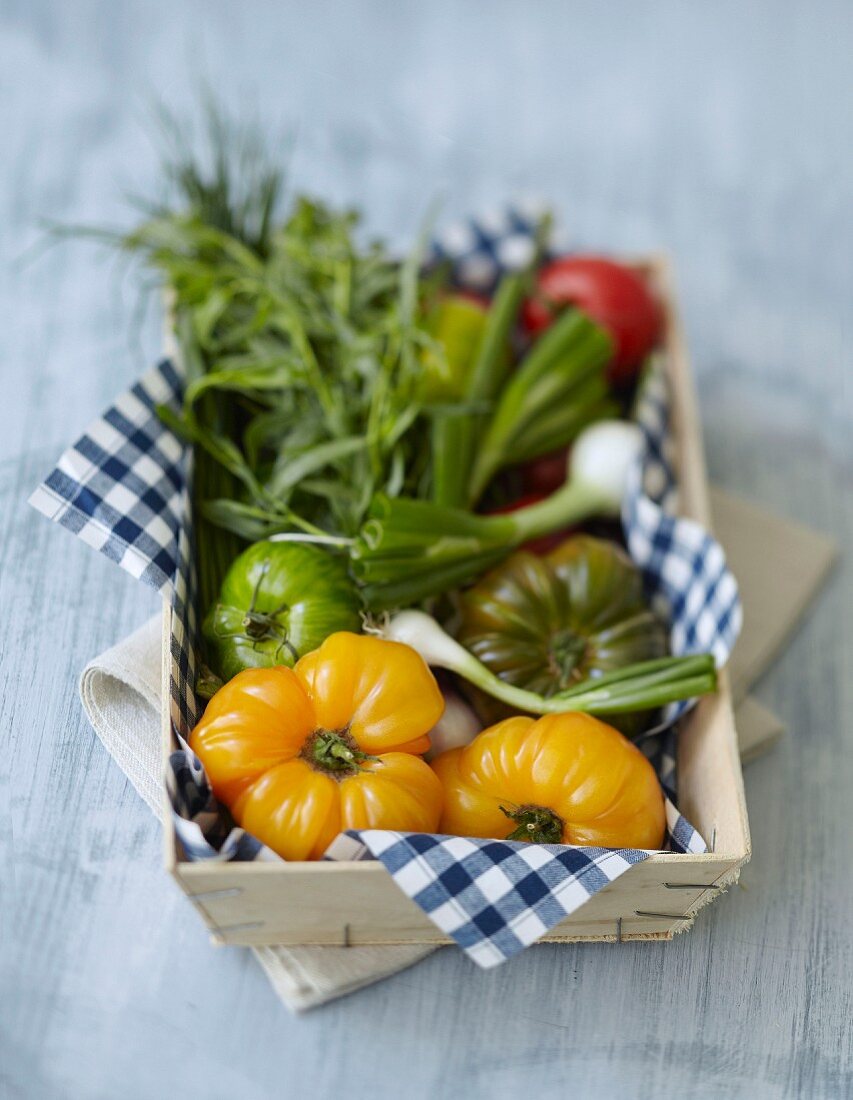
[222, 928]
[213, 895]
[208, 895]
[691, 886]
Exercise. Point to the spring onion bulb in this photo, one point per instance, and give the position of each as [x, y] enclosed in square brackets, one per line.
[457, 727]
[642, 686]
[603, 455]
[598, 473]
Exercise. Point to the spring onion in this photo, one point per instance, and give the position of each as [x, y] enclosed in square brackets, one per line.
[558, 389]
[409, 549]
[645, 685]
[455, 436]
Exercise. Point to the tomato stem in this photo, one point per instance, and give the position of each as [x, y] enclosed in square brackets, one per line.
[566, 653]
[335, 752]
[535, 824]
[208, 683]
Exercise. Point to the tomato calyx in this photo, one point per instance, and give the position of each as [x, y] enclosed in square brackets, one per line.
[566, 653]
[535, 824]
[335, 753]
[262, 626]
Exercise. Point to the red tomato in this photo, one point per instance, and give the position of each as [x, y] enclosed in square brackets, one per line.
[611, 294]
[546, 543]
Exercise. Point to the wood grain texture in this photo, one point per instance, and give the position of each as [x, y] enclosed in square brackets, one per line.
[719, 131]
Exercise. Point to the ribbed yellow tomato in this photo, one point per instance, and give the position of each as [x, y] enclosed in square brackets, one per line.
[561, 779]
[298, 755]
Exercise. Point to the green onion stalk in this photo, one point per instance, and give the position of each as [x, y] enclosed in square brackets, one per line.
[454, 437]
[558, 389]
[409, 550]
[644, 685]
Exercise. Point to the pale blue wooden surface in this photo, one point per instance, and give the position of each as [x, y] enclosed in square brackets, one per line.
[720, 131]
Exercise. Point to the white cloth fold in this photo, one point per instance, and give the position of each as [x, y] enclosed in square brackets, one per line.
[121, 694]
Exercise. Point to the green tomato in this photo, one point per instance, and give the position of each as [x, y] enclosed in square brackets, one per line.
[547, 623]
[279, 601]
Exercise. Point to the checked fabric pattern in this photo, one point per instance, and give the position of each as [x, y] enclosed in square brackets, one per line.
[493, 898]
[123, 488]
[684, 568]
[120, 488]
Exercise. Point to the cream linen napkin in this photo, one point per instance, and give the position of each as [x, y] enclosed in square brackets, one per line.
[779, 566]
[121, 695]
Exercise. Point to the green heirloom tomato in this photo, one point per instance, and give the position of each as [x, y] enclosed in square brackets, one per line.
[279, 601]
[546, 623]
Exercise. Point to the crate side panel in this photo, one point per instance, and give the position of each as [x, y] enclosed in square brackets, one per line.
[710, 781]
[360, 903]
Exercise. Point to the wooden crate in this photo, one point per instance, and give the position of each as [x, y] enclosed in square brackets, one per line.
[359, 903]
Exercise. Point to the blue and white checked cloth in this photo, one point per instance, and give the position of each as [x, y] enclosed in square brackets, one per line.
[122, 488]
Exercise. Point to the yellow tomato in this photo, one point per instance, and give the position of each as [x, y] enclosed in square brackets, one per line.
[561, 779]
[298, 755]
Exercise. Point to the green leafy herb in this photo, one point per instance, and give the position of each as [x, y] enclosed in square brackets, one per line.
[302, 346]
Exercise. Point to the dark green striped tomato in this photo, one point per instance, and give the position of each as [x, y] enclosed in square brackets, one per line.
[279, 601]
[546, 623]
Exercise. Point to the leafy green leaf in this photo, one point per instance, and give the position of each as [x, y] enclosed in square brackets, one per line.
[310, 461]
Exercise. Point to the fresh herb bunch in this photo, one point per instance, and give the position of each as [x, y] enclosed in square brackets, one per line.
[302, 351]
[316, 345]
